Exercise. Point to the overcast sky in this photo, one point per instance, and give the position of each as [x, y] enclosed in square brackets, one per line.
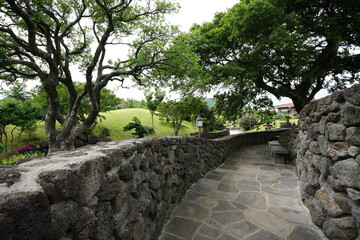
[192, 11]
[196, 11]
[199, 11]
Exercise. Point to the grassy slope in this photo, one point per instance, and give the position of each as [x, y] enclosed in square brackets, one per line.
[277, 125]
[117, 119]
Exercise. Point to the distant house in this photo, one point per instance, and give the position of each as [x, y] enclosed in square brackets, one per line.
[286, 109]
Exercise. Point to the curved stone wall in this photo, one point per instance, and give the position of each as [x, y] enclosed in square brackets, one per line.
[213, 135]
[115, 190]
[328, 162]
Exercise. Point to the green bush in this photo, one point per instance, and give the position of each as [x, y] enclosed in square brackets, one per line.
[15, 158]
[248, 122]
[104, 132]
[140, 130]
[2, 148]
[287, 118]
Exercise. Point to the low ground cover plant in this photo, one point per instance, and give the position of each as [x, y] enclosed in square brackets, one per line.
[25, 152]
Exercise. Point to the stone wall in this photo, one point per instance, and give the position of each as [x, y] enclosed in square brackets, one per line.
[289, 139]
[115, 190]
[213, 135]
[328, 162]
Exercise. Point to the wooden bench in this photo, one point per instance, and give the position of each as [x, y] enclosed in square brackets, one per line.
[280, 154]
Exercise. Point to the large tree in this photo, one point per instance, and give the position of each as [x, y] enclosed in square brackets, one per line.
[179, 110]
[287, 48]
[45, 39]
[109, 101]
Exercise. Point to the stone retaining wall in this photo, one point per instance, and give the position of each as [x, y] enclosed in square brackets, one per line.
[213, 135]
[115, 190]
[289, 139]
[328, 162]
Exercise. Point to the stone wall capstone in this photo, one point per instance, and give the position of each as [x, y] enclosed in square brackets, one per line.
[114, 190]
[328, 162]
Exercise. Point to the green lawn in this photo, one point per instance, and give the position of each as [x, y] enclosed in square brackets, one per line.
[277, 125]
[117, 119]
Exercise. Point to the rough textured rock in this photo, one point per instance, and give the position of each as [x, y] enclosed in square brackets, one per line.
[353, 194]
[335, 132]
[339, 151]
[353, 136]
[328, 162]
[24, 215]
[317, 212]
[351, 116]
[347, 172]
[59, 185]
[9, 175]
[341, 228]
[355, 209]
[113, 190]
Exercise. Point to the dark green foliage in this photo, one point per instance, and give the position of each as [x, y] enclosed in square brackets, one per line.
[109, 101]
[104, 132]
[231, 104]
[17, 114]
[132, 103]
[178, 111]
[2, 148]
[44, 40]
[140, 130]
[206, 124]
[153, 100]
[287, 118]
[266, 116]
[247, 122]
[17, 91]
[284, 47]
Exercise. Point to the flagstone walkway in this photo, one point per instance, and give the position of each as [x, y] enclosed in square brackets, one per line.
[248, 197]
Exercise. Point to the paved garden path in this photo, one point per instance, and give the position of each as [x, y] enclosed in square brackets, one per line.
[248, 197]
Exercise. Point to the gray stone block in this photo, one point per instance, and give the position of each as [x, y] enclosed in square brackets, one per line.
[347, 172]
[353, 136]
[341, 228]
[304, 232]
[59, 185]
[350, 116]
[335, 132]
[24, 215]
[317, 212]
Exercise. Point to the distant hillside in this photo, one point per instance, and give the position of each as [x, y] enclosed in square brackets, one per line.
[210, 102]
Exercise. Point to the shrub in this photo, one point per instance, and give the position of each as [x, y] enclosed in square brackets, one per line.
[27, 149]
[2, 148]
[248, 122]
[140, 130]
[16, 158]
[287, 118]
[104, 132]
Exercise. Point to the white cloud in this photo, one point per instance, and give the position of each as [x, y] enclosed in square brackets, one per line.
[192, 11]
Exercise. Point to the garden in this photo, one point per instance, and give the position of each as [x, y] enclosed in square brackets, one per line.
[23, 135]
[244, 62]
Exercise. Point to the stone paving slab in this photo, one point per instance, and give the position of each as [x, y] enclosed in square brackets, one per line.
[248, 197]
